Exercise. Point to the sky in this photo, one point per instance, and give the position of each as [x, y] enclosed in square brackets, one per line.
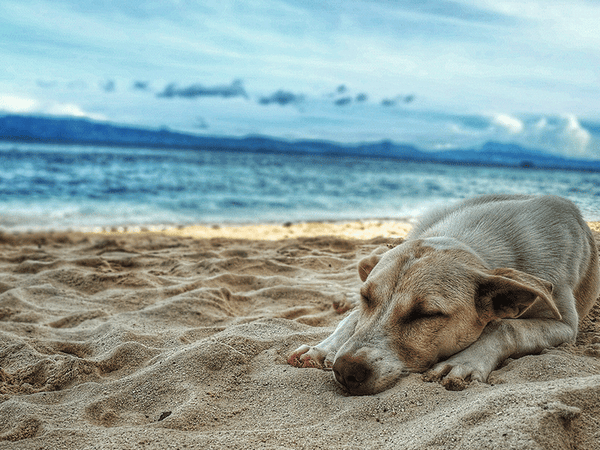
[434, 74]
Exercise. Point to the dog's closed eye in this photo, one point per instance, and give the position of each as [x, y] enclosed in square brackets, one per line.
[419, 313]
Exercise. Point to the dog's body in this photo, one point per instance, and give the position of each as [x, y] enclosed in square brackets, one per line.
[472, 284]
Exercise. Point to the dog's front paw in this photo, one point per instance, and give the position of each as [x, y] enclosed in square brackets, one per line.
[455, 375]
[313, 357]
[343, 303]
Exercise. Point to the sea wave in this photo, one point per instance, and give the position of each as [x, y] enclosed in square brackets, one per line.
[58, 187]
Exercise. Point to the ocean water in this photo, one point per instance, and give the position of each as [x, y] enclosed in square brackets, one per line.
[53, 187]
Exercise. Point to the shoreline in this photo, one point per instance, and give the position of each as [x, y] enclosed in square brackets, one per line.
[351, 229]
[271, 232]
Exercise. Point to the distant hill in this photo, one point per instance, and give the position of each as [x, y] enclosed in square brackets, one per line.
[34, 129]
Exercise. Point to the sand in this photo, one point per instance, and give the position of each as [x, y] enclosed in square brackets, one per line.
[179, 340]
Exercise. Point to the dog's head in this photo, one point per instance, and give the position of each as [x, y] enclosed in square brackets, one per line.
[422, 302]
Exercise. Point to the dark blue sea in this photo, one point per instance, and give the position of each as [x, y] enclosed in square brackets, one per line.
[53, 187]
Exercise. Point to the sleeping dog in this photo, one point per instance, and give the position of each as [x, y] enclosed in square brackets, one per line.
[473, 284]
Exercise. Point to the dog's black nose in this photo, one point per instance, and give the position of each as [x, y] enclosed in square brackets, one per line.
[350, 372]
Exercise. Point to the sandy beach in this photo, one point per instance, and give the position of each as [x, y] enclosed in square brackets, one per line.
[178, 340]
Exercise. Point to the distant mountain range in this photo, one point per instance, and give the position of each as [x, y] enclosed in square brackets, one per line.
[34, 129]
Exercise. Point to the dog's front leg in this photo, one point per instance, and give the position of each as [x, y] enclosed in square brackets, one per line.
[321, 355]
[500, 339]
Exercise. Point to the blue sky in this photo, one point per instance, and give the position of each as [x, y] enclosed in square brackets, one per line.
[436, 74]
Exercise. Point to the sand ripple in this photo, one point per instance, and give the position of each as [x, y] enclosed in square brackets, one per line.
[154, 341]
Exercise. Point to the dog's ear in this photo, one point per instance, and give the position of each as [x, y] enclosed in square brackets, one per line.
[366, 265]
[508, 293]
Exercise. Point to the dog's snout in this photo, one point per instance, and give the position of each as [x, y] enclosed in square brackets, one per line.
[351, 372]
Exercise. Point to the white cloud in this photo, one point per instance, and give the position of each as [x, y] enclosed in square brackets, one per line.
[12, 104]
[509, 123]
[70, 109]
[563, 135]
[555, 134]
[22, 105]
